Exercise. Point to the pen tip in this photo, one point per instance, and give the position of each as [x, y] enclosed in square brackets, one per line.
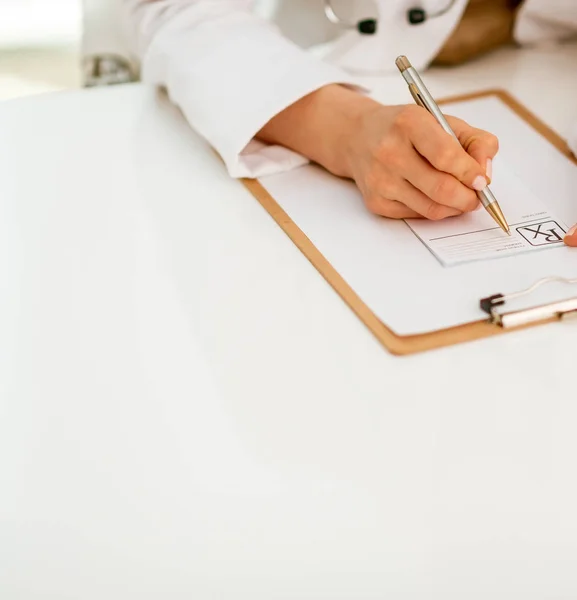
[495, 211]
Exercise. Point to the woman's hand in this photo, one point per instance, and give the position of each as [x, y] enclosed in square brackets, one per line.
[407, 166]
[403, 162]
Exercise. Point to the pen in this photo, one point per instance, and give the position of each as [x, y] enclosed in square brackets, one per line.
[423, 98]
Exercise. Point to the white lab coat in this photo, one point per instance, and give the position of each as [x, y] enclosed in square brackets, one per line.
[230, 70]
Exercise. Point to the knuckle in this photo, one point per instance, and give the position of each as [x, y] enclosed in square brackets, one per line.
[445, 189]
[435, 212]
[449, 191]
[373, 203]
[485, 142]
[393, 158]
[447, 157]
[406, 117]
[388, 152]
[397, 210]
[379, 184]
[470, 201]
[389, 210]
[387, 187]
[382, 207]
[487, 138]
[493, 142]
[371, 180]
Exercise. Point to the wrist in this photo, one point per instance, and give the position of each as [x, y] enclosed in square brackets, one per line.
[345, 112]
[322, 126]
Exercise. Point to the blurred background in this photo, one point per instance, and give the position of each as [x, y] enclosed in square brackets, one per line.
[41, 41]
[39, 46]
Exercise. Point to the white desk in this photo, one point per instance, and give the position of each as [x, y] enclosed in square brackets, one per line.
[189, 411]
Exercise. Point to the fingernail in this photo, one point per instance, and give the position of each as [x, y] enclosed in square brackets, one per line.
[489, 170]
[571, 231]
[480, 183]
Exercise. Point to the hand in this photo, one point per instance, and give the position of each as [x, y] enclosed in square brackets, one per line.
[407, 166]
[571, 237]
[402, 160]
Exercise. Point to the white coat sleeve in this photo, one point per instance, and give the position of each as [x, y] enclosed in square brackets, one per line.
[548, 21]
[229, 71]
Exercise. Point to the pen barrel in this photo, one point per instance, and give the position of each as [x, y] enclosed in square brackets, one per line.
[415, 83]
[423, 97]
[486, 197]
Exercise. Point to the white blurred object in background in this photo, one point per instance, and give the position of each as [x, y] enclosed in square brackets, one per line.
[106, 58]
[39, 22]
[104, 30]
[39, 46]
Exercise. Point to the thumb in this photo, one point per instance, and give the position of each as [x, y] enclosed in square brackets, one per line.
[571, 237]
[480, 144]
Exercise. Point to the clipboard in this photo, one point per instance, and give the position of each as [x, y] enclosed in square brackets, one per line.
[498, 321]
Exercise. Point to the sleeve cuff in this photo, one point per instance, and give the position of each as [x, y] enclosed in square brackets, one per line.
[230, 76]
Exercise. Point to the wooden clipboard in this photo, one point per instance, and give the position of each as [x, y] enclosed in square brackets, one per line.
[404, 345]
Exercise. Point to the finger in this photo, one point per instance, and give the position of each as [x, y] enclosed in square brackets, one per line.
[571, 237]
[444, 152]
[392, 209]
[418, 202]
[440, 187]
[481, 145]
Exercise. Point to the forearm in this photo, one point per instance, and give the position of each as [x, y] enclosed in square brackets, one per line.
[320, 126]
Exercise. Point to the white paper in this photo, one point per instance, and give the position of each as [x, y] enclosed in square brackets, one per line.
[476, 236]
[396, 276]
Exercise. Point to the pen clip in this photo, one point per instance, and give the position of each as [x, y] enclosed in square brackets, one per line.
[416, 96]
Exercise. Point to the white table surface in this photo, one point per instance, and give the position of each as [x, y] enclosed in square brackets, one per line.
[189, 411]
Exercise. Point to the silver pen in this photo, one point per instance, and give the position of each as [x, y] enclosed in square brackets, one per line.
[423, 98]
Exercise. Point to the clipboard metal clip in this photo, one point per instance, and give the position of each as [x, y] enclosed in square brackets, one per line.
[563, 309]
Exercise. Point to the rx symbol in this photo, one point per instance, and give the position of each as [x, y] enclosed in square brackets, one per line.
[540, 234]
